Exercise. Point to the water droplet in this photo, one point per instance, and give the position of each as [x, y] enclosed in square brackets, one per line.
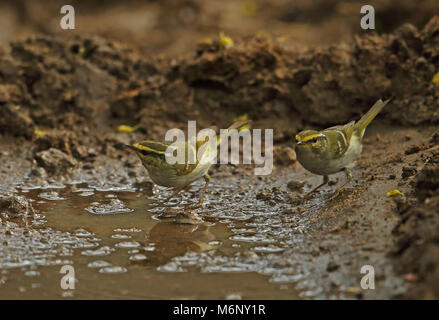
[67, 294]
[86, 194]
[270, 249]
[103, 251]
[113, 270]
[133, 229]
[234, 296]
[138, 257]
[171, 267]
[52, 195]
[128, 244]
[114, 206]
[82, 233]
[99, 264]
[121, 236]
[254, 238]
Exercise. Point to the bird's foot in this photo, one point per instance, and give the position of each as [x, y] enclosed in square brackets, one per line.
[336, 194]
[186, 217]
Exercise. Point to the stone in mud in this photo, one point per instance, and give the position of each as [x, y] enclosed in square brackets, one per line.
[55, 161]
[412, 150]
[296, 186]
[64, 140]
[16, 207]
[435, 138]
[430, 36]
[417, 248]
[408, 171]
[15, 120]
[332, 266]
[402, 205]
[144, 185]
[284, 156]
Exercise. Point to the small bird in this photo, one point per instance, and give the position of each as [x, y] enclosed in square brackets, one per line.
[334, 149]
[180, 176]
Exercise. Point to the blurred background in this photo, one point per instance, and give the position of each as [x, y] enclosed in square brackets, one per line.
[174, 27]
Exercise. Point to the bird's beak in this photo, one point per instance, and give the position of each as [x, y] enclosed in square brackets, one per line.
[130, 147]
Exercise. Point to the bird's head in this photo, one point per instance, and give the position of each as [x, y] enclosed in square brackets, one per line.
[151, 153]
[311, 141]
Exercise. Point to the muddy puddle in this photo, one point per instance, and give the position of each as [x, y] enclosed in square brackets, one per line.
[122, 246]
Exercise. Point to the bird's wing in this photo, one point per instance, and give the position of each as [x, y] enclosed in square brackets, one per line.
[156, 148]
[339, 138]
[152, 146]
[348, 129]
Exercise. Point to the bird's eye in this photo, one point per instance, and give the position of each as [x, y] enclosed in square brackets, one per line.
[144, 152]
[314, 140]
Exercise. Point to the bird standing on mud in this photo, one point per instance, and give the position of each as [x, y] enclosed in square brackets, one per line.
[179, 176]
[334, 149]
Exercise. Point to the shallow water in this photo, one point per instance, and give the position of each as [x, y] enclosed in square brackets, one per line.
[122, 247]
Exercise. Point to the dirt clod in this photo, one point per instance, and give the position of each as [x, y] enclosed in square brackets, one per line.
[16, 207]
[55, 161]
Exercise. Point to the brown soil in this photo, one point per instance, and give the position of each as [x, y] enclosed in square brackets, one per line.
[61, 100]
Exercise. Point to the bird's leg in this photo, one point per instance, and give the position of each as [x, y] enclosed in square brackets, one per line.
[349, 178]
[206, 179]
[163, 203]
[325, 181]
[176, 191]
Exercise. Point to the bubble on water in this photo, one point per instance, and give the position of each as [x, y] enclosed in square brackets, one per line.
[86, 194]
[243, 230]
[134, 251]
[254, 238]
[310, 293]
[110, 195]
[138, 257]
[84, 245]
[235, 216]
[127, 244]
[113, 270]
[121, 236]
[54, 186]
[112, 188]
[52, 195]
[99, 264]
[133, 229]
[114, 206]
[189, 259]
[234, 296]
[214, 243]
[269, 249]
[149, 248]
[286, 278]
[103, 251]
[82, 233]
[10, 264]
[226, 269]
[32, 273]
[83, 190]
[68, 294]
[171, 267]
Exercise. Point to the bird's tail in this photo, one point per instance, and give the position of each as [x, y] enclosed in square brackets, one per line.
[239, 125]
[365, 120]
